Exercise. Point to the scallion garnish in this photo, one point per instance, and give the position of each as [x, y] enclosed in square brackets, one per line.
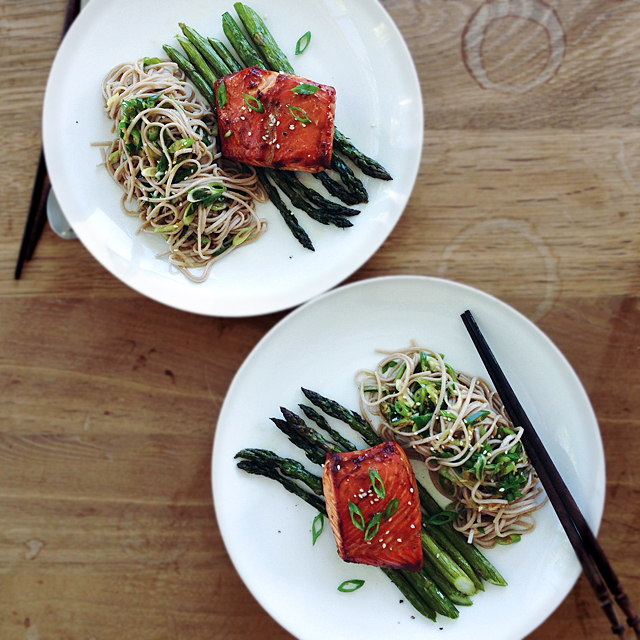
[178, 145]
[377, 483]
[317, 527]
[147, 61]
[299, 114]
[241, 237]
[392, 507]
[388, 365]
[476, 416]
[222, 94]
[373, 527]
[303, 43]
[448, 415]
[350, 585]
[356, 516]
[226, 135]
[305, 89]
[253, 103]
[442, 517]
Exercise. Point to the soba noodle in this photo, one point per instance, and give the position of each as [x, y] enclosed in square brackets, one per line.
[457, 425]
[167, 161]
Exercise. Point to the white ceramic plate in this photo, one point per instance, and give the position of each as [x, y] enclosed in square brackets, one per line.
[267, 531]
[355, 47]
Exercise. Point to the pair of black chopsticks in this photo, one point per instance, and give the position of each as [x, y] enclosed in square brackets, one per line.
[41, 186]
[594, 562]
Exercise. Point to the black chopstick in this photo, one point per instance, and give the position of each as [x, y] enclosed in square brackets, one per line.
[594, 562]
[37, 207]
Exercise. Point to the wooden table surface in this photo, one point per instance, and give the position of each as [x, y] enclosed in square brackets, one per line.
[529, 189]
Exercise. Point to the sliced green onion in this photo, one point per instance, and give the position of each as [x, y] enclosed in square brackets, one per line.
[189, 214]
[183, 143]
[317, 526]
[388, 365]
[149, 172]
[476, 416]
[299, 114]
[512, 539]
[253, 103]
[452, 373]
[303, 43]
[112, 99]
[305, 89]
[479, 467]
[373, 527]
[167, 228]
[392, 507]
[241, 237]
[114, 157]
[350, 585]
[226, 135]
[147, 61]
[377, 483]
[221, 94]
[153, 133]
[448, 415]
[356, 516]
[424, 365]
[442, 517]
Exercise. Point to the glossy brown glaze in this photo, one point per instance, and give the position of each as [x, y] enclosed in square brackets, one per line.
[279, 128]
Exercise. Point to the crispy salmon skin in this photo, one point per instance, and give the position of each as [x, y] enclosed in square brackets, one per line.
[373, 507]
[276, 120]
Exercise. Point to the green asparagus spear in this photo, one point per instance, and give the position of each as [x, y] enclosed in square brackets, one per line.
[263, 39]
[278, 61]
[292, 222]
[310, 434]
[443, 540]
[474, 557]
[221, 49]
[321, 201]
[217, 64]
[298, 201]
[400, 580]
[336, 189]
[444, 585]
[449, 569]
[431, 594]
[243, 47]
[353, 419]
[367, 165]
[322, 423]
[311, 449]
[287, 466]
[192, 74]
[349, 179]
[198, 62]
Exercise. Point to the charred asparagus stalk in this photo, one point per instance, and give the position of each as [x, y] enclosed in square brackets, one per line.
[278, 61]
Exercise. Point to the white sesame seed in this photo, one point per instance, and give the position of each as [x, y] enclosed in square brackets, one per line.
[384, 546]
[277, 147]
[411, 489]
[413, 526]
[338, 467]
[249, 132]
[242, 118]
[278, 122]
[437, 555]
[387, 531]
[409, 503]
[292, 127]
[381, 540]
[399, 539]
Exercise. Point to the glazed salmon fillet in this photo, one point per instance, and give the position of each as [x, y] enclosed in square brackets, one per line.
[373, 507]
[264, 122]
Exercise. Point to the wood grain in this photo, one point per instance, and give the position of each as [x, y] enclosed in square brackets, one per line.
[106, 421]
